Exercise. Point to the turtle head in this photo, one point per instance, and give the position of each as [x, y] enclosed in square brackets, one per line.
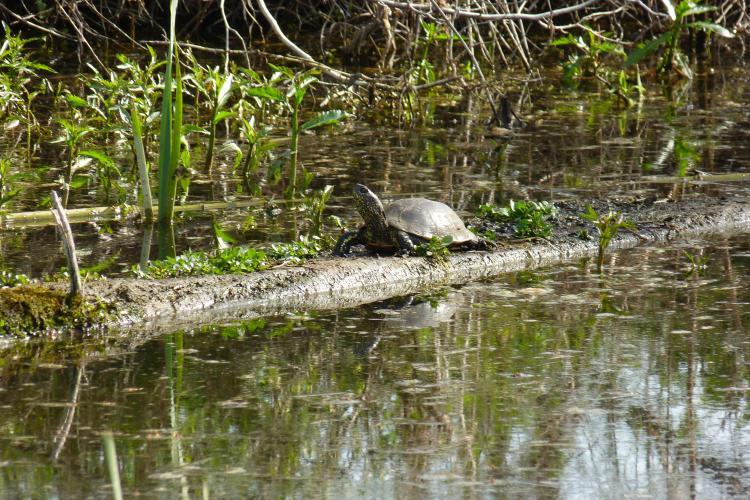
[369, 206]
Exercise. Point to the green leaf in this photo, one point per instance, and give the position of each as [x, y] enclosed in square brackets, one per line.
[193, 129]
[270, 93]
[76, 101]
[222, 115]
[282, 69]
[325, 118]
[224, 92]
[98, 156]
[646, 49]
[569, 39]
[685, 9]
[223, 238]
[712, 27]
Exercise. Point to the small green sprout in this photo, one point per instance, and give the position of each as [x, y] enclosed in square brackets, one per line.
[607, 225]
[435, 248]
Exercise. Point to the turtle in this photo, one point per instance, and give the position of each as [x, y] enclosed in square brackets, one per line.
[405, 223]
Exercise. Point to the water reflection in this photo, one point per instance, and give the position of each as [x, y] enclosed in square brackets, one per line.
[552, 383]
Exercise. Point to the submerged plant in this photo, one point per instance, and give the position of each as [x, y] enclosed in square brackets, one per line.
[697, 262]
[607, 225]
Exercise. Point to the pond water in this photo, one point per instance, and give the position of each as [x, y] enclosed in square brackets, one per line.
[556, 382]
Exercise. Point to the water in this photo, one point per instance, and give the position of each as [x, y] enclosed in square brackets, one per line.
[552, 383]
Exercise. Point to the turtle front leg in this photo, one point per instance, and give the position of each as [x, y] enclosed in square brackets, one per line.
[345, 242]
[405, 243]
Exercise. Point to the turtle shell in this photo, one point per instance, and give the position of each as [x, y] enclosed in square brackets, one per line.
[427, 218]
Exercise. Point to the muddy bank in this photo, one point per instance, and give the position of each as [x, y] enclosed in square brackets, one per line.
[342, 282]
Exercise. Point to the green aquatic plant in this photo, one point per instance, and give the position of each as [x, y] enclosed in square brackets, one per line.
[72, 136]
[11, 279]
[143, 170]
[259, 147]
[588, 60]
[298, 85]
[435, 248]
[697, 263]
[607, 225]
[171, 126]
[218, 90]
[315, 204]
[298, 251]
[7, 181]
[224, 261]
[231, 260]
[529, 219]
[17, 76]
[672, 58]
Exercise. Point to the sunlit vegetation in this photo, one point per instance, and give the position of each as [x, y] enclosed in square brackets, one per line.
[528, 219]
[607, 226]
[234, 259]
[154, 123]
[435, 248]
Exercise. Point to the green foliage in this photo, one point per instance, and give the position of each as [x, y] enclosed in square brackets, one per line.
[171, 127]
[528, 218]
[686, 156]
[298, 251]
[234, 259]
[7, 180]
[225, 261]
[588, 58]
[672, 57]
[314, 204]
[435, 248]
[607, 225]
[331, 117]
[698, 263]
[10, 279]
[18, 76]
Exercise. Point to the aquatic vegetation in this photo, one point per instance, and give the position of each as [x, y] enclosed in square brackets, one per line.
[10, 279]
[217, 88]
[224, 261]
[607, 225]
[672, 58]
[228, 260]
[297, 252]
[19, 77]
[314, 204]
[529, 219]
[7, 180]
[171, 126]
[697, 262]
[435, 248]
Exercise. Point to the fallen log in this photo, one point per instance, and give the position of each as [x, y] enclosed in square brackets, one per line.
[329, 283]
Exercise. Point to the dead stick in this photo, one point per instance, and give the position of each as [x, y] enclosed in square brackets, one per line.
[76, 288]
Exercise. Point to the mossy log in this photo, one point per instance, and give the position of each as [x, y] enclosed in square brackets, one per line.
[342, 282]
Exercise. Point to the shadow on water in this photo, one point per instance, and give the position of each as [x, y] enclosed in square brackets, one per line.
[559, 382]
